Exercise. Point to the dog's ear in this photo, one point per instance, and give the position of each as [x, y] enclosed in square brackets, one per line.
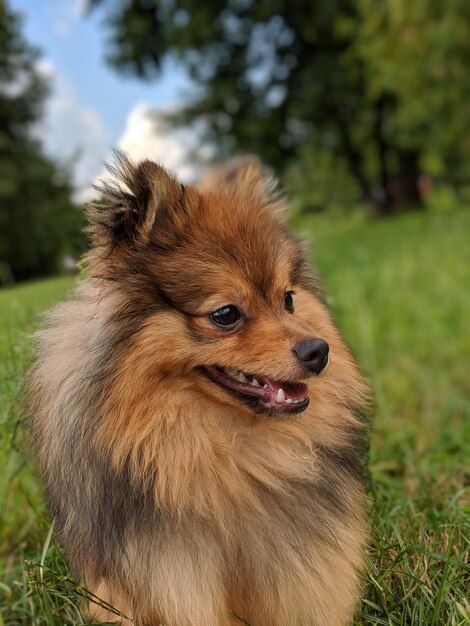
[137, 199]
[252, 180]
[246, 175]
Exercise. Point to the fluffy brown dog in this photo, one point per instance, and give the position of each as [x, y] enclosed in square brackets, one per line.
[192, 475]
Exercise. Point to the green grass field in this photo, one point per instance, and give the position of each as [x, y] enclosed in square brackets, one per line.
[400, 292]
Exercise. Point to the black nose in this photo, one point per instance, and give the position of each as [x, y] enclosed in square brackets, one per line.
[313, 353]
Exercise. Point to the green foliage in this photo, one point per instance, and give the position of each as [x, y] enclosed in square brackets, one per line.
[38, 221]
[377, 87]
[418, 53]
[398, 290]
[320, 179]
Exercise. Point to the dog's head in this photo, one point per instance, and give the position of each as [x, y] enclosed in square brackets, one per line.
[214, 292]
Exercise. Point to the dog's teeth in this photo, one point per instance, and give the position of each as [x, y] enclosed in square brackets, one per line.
[242, 378]
[280, 395]
[265, 386]
[290, 401]
[232, 372]
[255, 383]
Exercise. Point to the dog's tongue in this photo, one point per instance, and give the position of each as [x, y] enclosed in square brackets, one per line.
[281, 391]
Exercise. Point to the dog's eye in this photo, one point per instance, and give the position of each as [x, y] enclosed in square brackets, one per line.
[289, 301]
[225, 316]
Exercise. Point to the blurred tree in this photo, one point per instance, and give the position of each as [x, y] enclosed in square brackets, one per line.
[38, 221]
[379, 86]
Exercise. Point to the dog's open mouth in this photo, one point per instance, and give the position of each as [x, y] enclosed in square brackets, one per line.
[261, 393]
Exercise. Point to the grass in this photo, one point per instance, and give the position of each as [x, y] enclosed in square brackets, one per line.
[399, 290]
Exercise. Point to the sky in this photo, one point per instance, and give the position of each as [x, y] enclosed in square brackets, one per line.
[91, 108]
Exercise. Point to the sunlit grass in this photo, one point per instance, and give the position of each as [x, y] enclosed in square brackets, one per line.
[399, 290]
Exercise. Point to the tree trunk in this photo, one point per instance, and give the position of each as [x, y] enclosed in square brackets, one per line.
[383, 200]
[403, 190]
[388, 195]
[354, 159]
[408, 194]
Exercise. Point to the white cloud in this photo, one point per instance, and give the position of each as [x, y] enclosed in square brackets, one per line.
[148, 136]
[71, 132]
[74, 135]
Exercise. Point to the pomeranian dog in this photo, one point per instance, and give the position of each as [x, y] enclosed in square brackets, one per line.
[203, 464]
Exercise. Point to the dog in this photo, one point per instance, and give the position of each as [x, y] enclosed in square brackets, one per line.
[198, 420]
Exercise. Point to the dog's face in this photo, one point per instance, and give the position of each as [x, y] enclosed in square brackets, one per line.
[222, 292]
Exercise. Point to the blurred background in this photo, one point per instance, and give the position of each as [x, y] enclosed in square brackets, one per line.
[362, 109]
[358, 105]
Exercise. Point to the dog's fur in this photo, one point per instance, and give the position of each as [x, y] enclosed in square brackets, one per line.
[175, 502]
